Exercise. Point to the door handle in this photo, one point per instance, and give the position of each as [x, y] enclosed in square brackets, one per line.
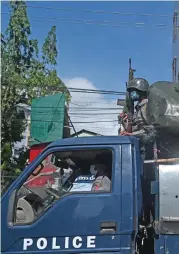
[108, 227]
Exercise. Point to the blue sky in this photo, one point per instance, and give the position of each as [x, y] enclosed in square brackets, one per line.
[100, 53]
[96, 57]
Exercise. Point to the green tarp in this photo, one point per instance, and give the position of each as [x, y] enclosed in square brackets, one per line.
[47, 119]
[163, 106]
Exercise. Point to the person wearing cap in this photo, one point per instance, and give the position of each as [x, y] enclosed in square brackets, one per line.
[138, 89]
[102, 181]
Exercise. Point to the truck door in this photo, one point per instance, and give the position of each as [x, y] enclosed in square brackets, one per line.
[62, 220]
[167, 225]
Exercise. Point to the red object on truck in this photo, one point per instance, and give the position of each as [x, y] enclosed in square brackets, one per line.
[40, 181]
[36, 150]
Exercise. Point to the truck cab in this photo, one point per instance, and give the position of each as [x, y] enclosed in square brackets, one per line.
[78, 220]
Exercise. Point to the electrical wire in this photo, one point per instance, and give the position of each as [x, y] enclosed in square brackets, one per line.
[101, 11]
[97, 22]
[95, 91]
[91, 102]
[50, 121]
[92, 114]
[105, 128]
[81, 108]
[98, 91]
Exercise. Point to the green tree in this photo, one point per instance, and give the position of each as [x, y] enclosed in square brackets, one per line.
[24, 76]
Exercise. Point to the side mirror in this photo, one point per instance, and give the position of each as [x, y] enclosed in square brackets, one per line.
[38, 171]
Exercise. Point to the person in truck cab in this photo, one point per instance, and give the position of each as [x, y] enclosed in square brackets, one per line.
[102, 181]
[138, 88]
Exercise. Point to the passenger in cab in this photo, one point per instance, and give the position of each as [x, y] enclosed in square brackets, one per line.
[102, 181]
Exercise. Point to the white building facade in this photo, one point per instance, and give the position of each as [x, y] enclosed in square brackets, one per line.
[175, 65]
[26, 134]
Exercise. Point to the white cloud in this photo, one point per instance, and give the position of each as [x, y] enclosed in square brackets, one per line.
[92, 107]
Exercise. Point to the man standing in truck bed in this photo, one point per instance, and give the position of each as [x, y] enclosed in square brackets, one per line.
[138, 89]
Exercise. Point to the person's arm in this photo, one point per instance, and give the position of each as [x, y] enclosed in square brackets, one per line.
[102, 183]
[147, 134]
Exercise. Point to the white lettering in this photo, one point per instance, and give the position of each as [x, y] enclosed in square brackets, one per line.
[83, 178]
[41, 243]
[91, 241]
[27, 242]
[54, 244]
[66, 242]
[75, 240]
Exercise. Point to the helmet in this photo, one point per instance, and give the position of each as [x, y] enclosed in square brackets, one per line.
[139, 84]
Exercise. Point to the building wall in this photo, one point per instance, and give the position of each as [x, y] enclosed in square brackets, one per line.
[175, 64]
[26, 133]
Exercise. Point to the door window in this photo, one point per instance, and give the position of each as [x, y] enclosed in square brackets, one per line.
[60, 174]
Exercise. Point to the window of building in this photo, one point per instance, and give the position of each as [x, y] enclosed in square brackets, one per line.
[61, 174]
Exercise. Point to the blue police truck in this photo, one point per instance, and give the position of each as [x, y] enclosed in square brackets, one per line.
[138, 215]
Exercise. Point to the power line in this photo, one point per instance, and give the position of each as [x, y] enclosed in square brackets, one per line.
[98, 22]
[99, 98]
[75, 122]
[106, 128]
[99, 101]
[92, 102]
[86, 90]
[98, 115]
[94, 109]
[95, 106]
[96, 119]
[92, 114]
[89, 114]
[95, 91]
[88, 110]
[49, 121]
[80, 108]
[100, 11]
[78, 113]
